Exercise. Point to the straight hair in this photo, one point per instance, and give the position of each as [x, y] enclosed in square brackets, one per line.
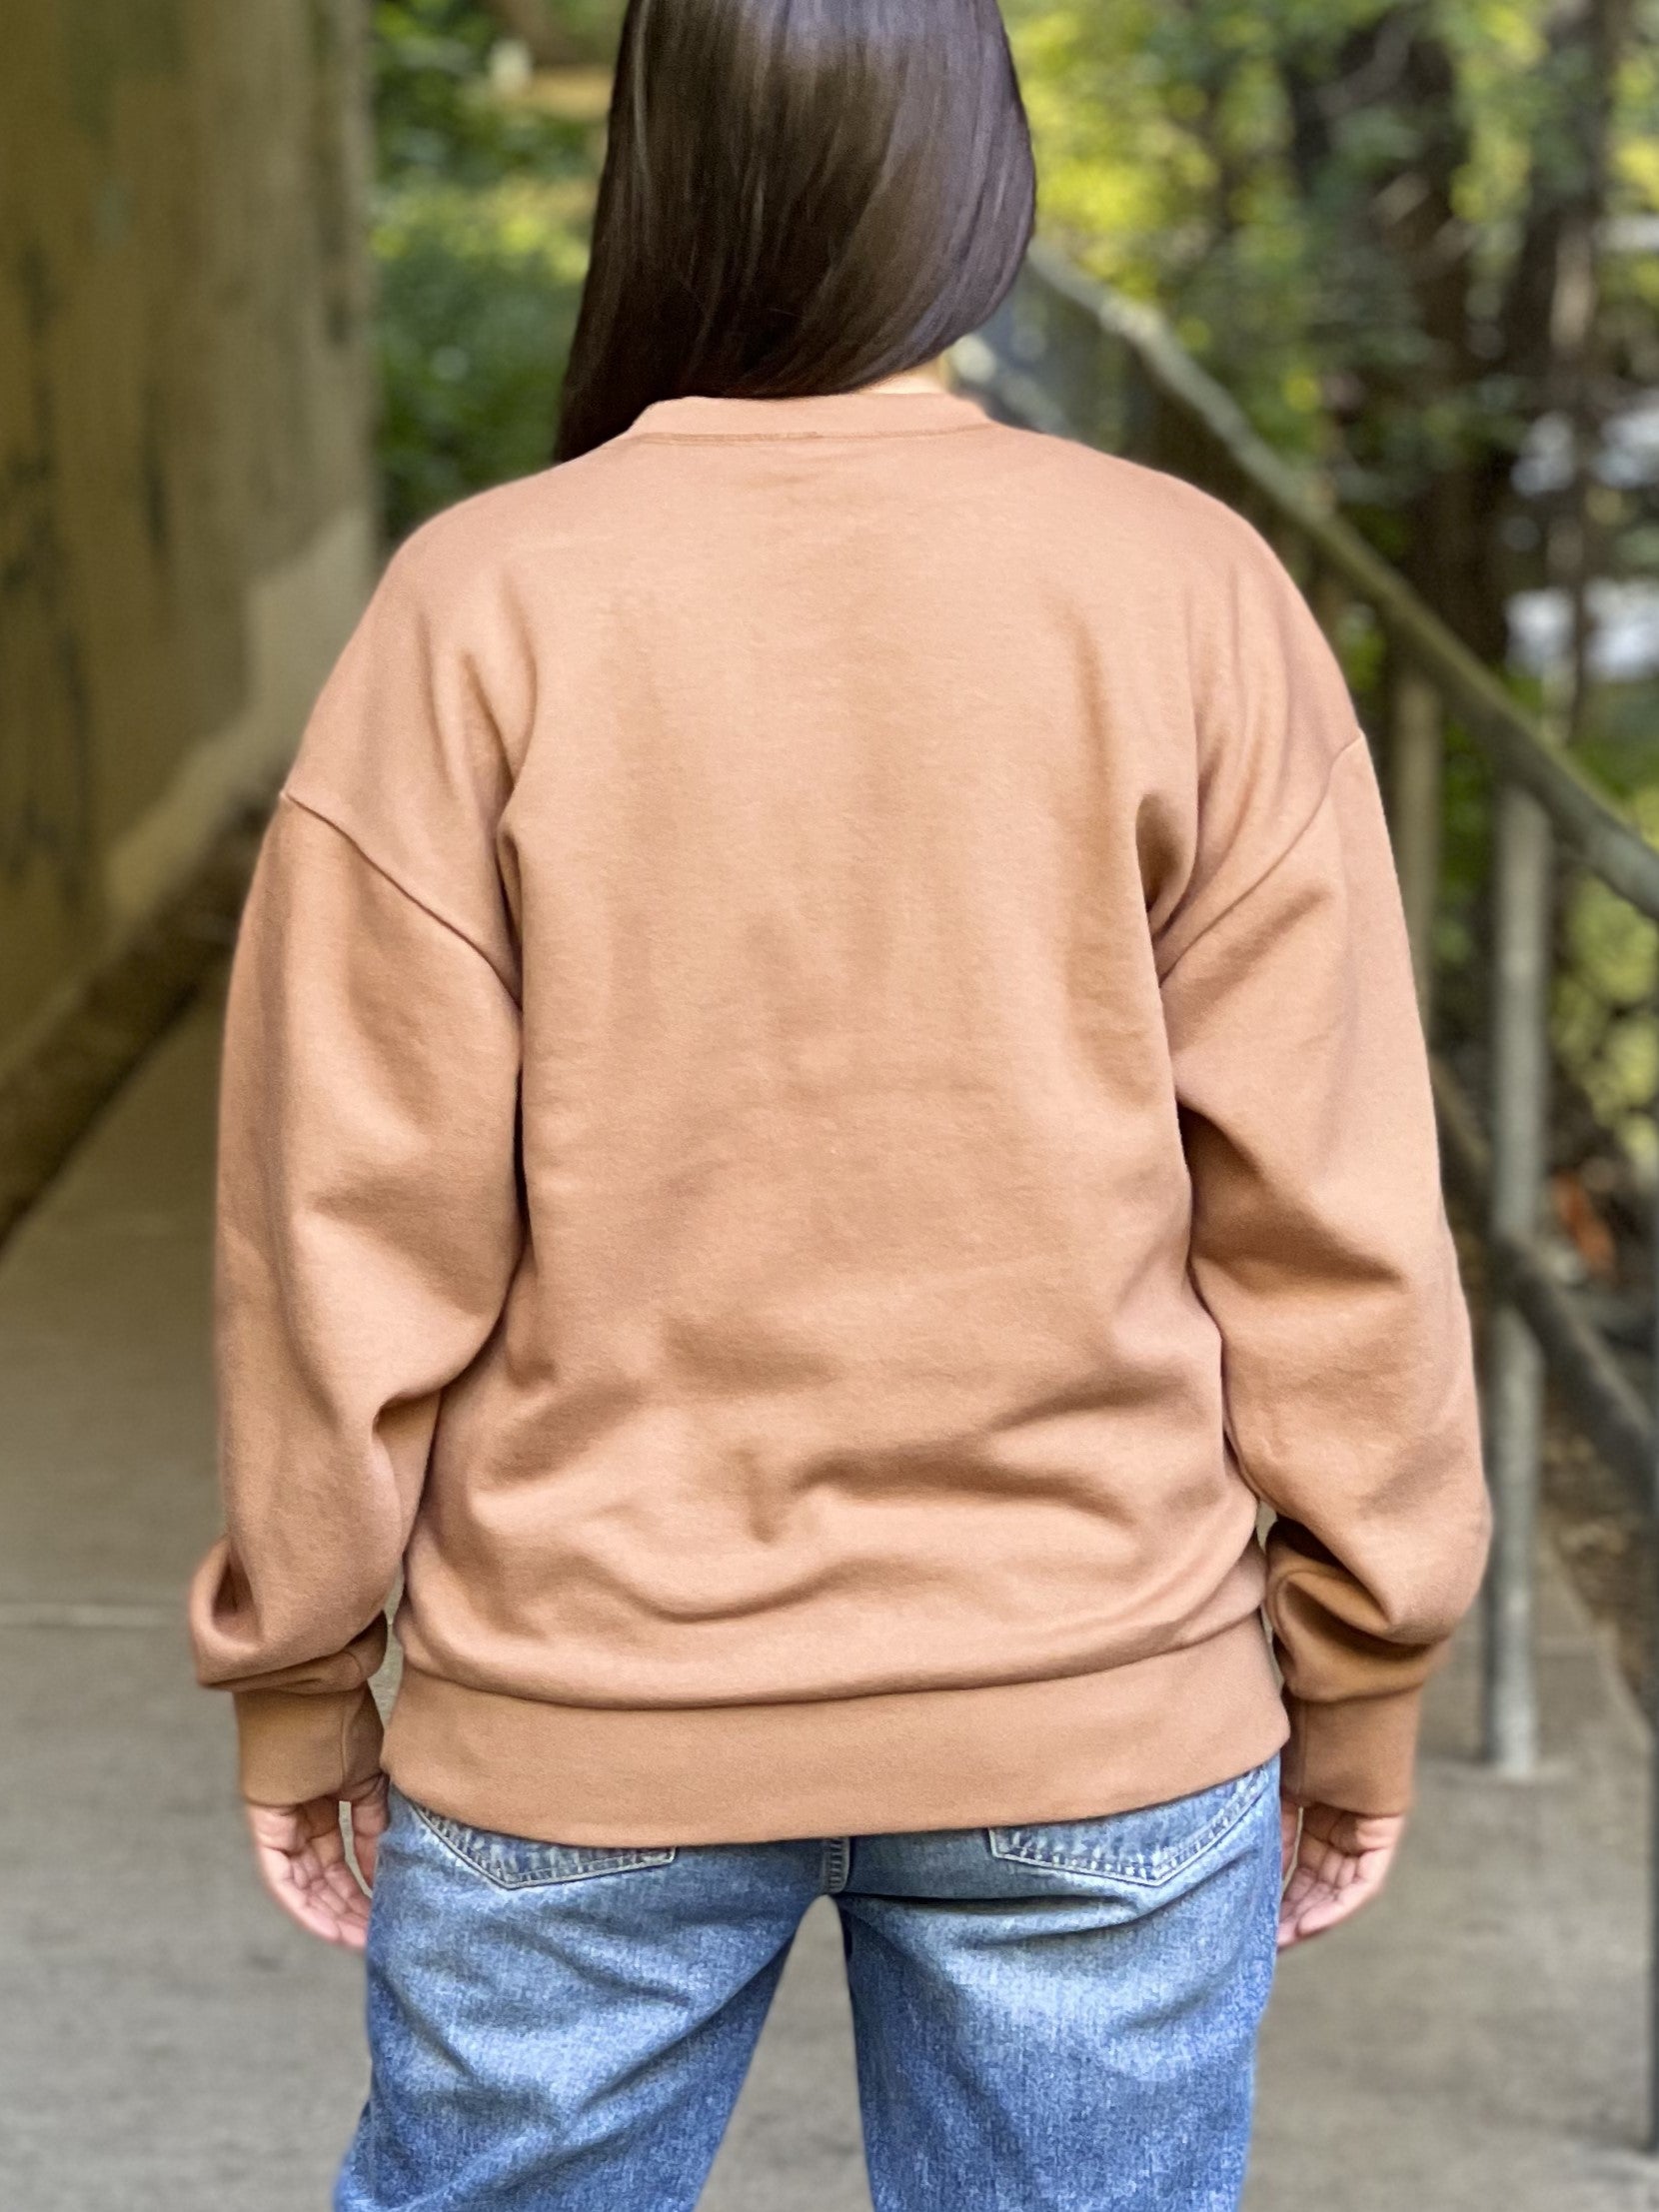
[798, 196]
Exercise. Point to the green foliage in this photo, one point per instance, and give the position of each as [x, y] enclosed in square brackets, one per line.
[1160, 141]
[478, 291]
[480, 236]
[585, 30]
[1466, 858]
[1344, 242]
[1174, 148]
[1603, 1026]
[430, 60]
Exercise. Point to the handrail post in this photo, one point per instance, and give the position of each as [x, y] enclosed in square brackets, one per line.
[1417, 751]
[1514, 1362]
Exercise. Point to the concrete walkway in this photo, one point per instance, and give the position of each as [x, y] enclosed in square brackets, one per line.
[168, 2044]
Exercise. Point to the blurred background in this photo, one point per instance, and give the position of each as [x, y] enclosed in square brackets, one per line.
[280, 279]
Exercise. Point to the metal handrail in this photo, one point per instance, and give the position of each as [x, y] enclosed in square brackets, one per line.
[1046, 361]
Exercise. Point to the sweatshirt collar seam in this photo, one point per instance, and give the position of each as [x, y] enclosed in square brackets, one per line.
[796, 437]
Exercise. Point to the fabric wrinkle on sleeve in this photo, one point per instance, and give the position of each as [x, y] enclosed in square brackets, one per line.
[1282, 859]
[1322, 1247]
[403, 754]
[431, 904]
[367, 1227]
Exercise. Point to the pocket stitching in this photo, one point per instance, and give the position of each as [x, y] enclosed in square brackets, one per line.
[1138, 1871]
[456, 1838]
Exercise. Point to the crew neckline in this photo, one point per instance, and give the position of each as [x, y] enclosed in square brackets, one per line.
[863, 414]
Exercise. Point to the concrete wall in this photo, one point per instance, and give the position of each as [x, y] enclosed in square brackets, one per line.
[186, 509]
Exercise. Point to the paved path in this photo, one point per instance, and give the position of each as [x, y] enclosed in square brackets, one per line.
[167, 2044]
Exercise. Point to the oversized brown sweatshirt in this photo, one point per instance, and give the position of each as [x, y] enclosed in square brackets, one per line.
[822, 1096]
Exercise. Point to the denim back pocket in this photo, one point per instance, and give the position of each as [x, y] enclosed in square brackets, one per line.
[520, 1863]
[1150, 1846]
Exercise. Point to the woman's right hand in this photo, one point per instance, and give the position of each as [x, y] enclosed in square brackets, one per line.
[300, 1851]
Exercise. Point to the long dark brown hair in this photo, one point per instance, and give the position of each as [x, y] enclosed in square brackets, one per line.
[798, 196]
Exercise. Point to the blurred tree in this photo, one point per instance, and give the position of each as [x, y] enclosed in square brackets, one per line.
[482, 208]
[560, 34]
[1385, 223]
[1380, 219]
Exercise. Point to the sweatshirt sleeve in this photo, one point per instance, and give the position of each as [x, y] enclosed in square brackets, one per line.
[1319, 1238]
[367, 1228]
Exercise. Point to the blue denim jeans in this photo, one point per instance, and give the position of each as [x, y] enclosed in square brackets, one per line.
[1052, 2019]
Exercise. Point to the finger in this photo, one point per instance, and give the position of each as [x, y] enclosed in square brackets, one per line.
[280, 1827]
[328, 1838]
[1354, 1833]
[1294, 1908]
[365, 1846]
[294, 1888]
[332, 1883]
[342, 1887]
[1316, 1876]
[1291, 1825]
[1320, 1914]
[306, 1875]
[321, 1911]
[1316, 1899]
[371, 1816]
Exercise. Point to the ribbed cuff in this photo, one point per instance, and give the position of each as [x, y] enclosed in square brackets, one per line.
[294, 1746]
[1358, 1753]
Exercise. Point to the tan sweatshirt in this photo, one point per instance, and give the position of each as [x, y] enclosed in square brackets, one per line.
[822, 1093]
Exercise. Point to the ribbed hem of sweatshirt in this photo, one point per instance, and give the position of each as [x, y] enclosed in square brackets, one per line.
[1357, 1752]
[295, 1745]
[1014, 1752]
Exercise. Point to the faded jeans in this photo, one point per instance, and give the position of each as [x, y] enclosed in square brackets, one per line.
[1052, 2019]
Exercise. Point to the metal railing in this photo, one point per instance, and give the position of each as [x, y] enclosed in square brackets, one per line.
[1068, 356]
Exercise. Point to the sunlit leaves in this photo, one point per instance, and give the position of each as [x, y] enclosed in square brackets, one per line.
[1167, 161]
